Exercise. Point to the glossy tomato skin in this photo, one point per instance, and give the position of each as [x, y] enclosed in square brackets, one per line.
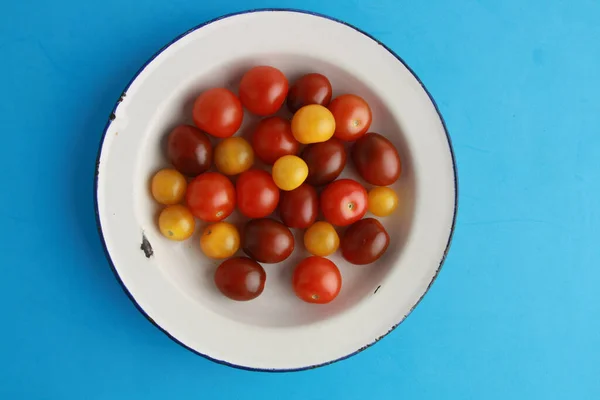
[364, 242]
[344, 202]
[211, 197]
[299, 208]
[309, 89]
[189, 150]
[266, 240]
[218, 112]
[263, 90]
[273, 139]
[352, 116]
[257, 194]
[317, 280]
[376, 159]
[240, 278]
[325, 161]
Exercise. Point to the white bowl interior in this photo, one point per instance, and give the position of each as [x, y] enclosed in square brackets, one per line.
[175, 286]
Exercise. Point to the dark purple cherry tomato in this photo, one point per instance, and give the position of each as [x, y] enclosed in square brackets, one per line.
[189, 150]
[325, 161]
[299, 208]
[240, 278]
[267, 241]
[376, 159]
[309, 89]
[364, 241]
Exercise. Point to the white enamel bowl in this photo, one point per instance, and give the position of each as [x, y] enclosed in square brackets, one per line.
[174, 286]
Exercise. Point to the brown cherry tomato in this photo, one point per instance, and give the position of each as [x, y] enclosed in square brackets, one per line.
[240, 278]
[263, 90]
[298, 208]
[352, 116]
[325, 161]
[317, 280]
[267, 241]
[309, 89]
[218, 112]
[189, 150]
[364, 242]
[376, 159]
[273, 139]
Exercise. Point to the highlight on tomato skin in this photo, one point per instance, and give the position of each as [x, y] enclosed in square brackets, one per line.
[317, 280]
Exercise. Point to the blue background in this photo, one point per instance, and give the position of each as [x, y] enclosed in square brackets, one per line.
[515, 312]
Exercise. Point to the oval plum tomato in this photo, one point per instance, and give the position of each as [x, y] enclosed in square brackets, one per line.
[376, 159]
[309, 89]
[218, 112]
[364, 241]
[220, 240]
[317, 280]
[189, 150]
[211, 197]
[313, 124]
[321, 239]
[325, 161]
[257, 194]
[273, 139]
[289, 172]
[176, 222]
[352, 116]
[263, 90]
[168, 186]
[240, 278]
[267, 240]
[233, 156]
[344, 202]
[382, 201]
[299, 208]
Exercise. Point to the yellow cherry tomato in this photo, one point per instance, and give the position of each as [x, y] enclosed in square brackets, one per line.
[233, 156]
[289, 172]
[176, 222]
[382, 201]
[321, 239]
[168, 186]
[313, 124]
[220, 240]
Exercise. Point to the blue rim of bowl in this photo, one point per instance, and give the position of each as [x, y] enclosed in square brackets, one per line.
[112, 117]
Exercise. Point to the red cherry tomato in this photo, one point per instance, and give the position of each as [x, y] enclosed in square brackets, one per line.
[344, 202]
[257, 194]
[298, 208]
[273, 139]
[317, 280]
[376, 159]
[211, 197]
[189, 150]
[309, 89]
[364, 241]
[352, 116]
[263, 90]
[218, 112]
[240, 278]
[325, 161]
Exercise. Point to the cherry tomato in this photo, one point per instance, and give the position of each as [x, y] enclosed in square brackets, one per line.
[273, 139]
[176, 222]
[309, 89]
[168, 186]
[257, 194]
[352, 116]
[211, 197]
[313, 124]
[325, 161]
[321, 239]
[233, 156]
[344, 202]
[267, 240]
[376, 159]
[317, 280]
[240, 278]
[382, 201]
[220, 240]
[218, 112]
[263, 90]
[289, 172]
[364, 242]
[189, 150]
[299, 208]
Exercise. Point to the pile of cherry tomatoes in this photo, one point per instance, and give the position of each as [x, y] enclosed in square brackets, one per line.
[304, 154]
